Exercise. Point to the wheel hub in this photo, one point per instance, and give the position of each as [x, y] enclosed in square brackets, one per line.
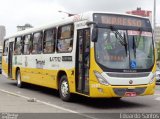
[18, 79]
[64, 88]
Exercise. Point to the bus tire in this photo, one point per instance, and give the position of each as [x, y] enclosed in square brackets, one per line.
[18, 78]
[116, 98]
[64, 92]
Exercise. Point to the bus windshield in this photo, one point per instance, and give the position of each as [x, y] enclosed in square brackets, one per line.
[124, 49]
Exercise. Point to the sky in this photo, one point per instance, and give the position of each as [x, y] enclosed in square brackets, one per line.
[39, 12]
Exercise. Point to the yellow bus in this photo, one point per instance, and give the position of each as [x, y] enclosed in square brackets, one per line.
[94, 54]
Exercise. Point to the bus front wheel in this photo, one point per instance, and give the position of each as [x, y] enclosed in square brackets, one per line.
[18, 78]
[64, 92]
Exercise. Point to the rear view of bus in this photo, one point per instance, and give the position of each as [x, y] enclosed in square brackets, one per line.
[123, 50]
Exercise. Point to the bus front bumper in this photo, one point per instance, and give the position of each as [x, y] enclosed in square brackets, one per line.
[107, 91]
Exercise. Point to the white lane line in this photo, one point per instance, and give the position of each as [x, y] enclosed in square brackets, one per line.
[157, 94]
[14, 94]
[48, 104]
[158, 98]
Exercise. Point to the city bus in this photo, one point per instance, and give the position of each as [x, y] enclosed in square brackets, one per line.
[94, 54]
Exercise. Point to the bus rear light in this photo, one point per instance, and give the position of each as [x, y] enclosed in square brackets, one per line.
[100, 78]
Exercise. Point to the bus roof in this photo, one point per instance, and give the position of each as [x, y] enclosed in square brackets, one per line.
[67, 20]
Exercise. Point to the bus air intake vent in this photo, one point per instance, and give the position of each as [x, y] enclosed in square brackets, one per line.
[122, 91]
[128, 75]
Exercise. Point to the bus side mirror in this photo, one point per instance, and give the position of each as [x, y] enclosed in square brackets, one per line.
[94, 34]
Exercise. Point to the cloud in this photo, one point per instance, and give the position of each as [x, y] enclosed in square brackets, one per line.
[107, 5]
[19, 12]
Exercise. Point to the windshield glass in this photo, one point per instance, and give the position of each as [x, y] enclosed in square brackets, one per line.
[141, 49]
[124, 49]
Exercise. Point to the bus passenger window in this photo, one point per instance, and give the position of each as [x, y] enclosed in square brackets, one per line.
[37, 43]
[18, 46]
[27, 44]
[5, 49]
[49, 41]
[65, 38]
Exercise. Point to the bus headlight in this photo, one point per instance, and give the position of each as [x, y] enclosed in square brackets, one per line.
[100, 78]
[152, 78]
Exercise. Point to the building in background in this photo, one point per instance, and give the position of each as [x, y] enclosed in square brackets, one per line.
[143, 13]
[2, 34]
[140, 12]
[26, 26]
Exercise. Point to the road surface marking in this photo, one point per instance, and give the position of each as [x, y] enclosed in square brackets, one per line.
[158, 98]
[48, 104]
[157, 94]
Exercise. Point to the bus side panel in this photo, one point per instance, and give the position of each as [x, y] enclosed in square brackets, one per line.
[5, 65]
[48, 78]
[31, 75]
[14, 73]
[41, 70]
[38, 70]
[53, 64]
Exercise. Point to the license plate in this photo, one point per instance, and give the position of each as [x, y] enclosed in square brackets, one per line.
[130, 94]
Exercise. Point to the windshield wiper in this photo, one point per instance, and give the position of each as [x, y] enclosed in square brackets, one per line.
[134, 42]
[125, 45]
[122, 39]
[139, 37]
[134, 46]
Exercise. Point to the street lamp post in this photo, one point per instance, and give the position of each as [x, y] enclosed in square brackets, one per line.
[69, 14]
[154, 25]
[154, 20]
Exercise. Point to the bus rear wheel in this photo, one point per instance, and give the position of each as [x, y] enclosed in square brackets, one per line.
[64, 92]
[18, 78]
[116, 98]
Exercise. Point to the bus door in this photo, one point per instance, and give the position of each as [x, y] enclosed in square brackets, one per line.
[10, 57]
[83, 61]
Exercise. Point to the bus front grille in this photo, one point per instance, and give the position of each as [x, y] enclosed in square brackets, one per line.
[122, 91]
[128, 75]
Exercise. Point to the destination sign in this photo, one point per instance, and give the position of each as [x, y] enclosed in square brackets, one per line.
[121, 20]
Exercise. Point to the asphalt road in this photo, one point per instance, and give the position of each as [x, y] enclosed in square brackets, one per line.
[36, 99]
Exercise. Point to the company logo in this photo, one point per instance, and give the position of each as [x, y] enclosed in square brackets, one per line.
[130, 82]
